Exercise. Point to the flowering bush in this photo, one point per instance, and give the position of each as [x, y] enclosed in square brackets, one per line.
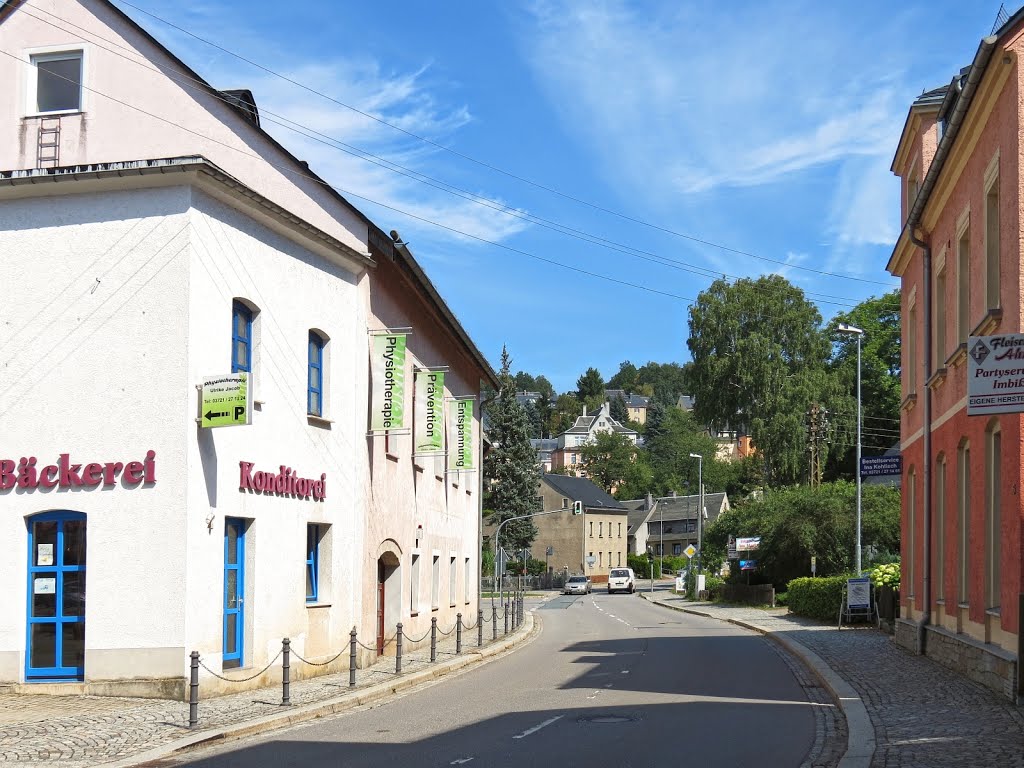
[886, 575]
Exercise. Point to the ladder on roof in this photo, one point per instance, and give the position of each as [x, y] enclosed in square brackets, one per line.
[48, 147]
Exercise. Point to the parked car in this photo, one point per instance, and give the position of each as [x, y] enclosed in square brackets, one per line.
[577, 585]
[621, 580]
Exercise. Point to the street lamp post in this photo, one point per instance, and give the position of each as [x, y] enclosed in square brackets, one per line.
[859, 333]
[700, 511]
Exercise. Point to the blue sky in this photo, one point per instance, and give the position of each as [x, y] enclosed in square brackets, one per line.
[766, 128]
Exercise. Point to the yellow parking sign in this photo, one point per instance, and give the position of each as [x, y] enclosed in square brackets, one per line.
[225, 400]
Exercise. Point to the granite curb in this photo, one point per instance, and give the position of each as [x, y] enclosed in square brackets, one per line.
[343, 703]
[860, 742]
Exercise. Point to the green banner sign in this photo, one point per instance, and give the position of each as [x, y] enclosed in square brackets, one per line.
[460, 435]
[429, 436]
[387, 378]
[225, 401]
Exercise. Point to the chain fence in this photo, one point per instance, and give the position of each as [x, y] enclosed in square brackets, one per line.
[399, 637]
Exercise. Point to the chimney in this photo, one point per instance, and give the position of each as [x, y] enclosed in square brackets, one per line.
[584, 410]
[673, 494]
[650, 501]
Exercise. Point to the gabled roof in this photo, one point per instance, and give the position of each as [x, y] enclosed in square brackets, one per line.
[582, 489]
[235, 98]
[686, 507]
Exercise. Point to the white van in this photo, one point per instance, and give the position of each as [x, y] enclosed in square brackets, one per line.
[621, 580]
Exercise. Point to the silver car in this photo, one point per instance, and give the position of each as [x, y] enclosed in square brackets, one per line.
[577, 585]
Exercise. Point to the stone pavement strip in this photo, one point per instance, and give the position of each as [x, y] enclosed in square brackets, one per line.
[83, 731]
[902, 710]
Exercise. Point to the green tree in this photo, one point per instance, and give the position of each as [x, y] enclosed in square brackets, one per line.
[511, 473]
[626, 378]
[796, 523]
[618, 410]
[607, 459]
[668, 450]
[590, 388]
[525, 382]
[760, 360]
[879, 318]
[663, 381]
[566, 409]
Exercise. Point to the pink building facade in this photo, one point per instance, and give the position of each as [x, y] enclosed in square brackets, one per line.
[959, 260]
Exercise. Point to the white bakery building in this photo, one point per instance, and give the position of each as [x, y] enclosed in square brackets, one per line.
[160, 249]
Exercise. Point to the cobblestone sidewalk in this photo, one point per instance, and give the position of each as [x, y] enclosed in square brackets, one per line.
[923, 714]
[83, 731]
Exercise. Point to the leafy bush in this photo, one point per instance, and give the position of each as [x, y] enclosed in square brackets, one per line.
[816, 598]
[782, 598]
[640, 565]
[713, 584]
[886, 575]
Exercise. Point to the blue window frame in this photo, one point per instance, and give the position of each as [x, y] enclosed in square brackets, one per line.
[56, 597]
[241, 337]
[312, 562]
[315, 379]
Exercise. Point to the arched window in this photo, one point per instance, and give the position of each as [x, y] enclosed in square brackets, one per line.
[940, 527]
[315, 379]
[964, 519]
[241, 337]
[993, 513]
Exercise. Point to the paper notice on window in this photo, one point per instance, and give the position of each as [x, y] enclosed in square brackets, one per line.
[44, 554]
[45, 586]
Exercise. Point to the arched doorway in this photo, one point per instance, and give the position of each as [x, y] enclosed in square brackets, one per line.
[388, 591]
[55, 637]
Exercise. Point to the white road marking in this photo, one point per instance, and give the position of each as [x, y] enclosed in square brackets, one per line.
[536, 728]
[461, 761]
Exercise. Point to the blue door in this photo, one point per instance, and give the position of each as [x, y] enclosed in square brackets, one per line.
[56, 597]
[234, 591]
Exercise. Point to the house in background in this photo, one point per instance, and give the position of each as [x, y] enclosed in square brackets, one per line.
[600, 532]
[636, 405]
[544, 447]
[568, 451]
[732, 444]
[667, 524]
[958, 260]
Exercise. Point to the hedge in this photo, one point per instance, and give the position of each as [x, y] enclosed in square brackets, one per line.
[816, 598]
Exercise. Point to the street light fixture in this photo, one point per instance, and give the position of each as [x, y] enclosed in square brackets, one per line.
[859, 333]
[700, 511]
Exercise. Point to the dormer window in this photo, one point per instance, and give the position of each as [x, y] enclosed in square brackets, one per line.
[55, 82]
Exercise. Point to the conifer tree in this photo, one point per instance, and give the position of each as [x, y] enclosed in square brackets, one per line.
[511, 474]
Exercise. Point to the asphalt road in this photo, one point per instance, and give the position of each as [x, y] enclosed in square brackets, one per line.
[611, 681]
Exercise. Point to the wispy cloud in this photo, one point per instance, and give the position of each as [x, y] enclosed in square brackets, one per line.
[697, 101]
[349, 150]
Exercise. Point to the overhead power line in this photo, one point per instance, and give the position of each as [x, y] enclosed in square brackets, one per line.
[306, 131]
[496, 169]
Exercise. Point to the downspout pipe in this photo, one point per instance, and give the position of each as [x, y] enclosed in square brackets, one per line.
[926, 494]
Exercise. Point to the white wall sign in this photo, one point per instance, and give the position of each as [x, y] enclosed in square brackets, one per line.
[995, 374]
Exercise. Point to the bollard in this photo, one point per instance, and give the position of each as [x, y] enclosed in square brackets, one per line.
[494, 622]
[193, 691]
[506, 618]
[398, 650]
[352, 658]
[286, 653]
[458, 633]
[479, 627]
[433, 639]
[522, 600]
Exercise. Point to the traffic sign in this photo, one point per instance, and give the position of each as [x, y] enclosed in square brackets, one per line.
[690, 551]
[225, 400]
[591, 560]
